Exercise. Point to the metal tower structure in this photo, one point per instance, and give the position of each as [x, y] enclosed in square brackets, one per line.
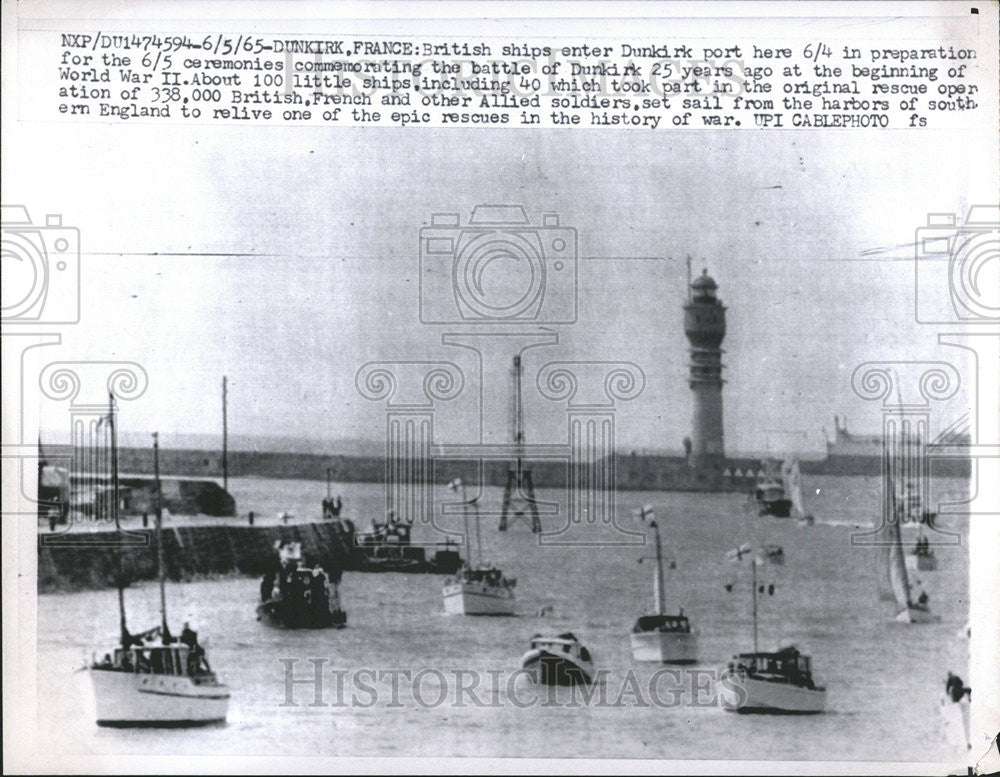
[519, 487]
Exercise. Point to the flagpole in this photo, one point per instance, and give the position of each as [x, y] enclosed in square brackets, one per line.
[159, 535]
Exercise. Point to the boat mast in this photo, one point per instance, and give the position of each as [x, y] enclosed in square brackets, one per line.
[225, 438]
[158, 503]
[114, 514]
[753, 567]
[479, 532]
[658, 580]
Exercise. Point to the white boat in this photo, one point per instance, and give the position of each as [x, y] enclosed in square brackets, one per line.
[775, 683]
[481, 589]
[154, 679]
[760, 682]
[560, 660]
[894, 583]
[662, 637]
[159, 685]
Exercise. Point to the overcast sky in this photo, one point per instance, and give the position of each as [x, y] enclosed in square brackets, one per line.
[287, 258]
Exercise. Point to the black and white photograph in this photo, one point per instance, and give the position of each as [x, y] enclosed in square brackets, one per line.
[488, 387]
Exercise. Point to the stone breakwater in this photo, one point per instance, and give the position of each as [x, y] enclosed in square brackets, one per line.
[76, 561]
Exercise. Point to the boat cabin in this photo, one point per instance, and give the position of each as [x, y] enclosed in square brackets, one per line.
[565, 643]
[787, 665]
[769, 492]
[178, 659]
[677, 624]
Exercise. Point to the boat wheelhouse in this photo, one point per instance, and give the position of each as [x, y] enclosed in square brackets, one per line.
[559, 660]
[780, 683]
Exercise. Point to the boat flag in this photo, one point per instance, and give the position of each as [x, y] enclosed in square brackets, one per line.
[736, 554]
[644, 513]
[455, 484]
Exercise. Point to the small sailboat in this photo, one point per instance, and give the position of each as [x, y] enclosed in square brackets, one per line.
[769, 494]
[481, 589]
[791, 476]
[153, 679]
[955, 710]
[778, 683]
[921, 557]
[662, 637]
[893, 579]
[294, 596]
[559, 660]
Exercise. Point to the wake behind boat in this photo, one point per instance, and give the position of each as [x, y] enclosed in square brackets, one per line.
[560, 660]
[660, 636]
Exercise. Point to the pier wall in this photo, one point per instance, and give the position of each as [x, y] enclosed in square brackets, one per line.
[77, 561]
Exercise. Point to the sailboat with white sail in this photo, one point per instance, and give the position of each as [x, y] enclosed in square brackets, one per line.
[660, 636]
[153, 679]
[479, 589]
[894, 582]
[792, 478]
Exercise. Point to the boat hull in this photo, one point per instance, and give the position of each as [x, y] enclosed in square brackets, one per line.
[545, 668]
[917, 615]
[130, 699]
[747, 695]
[921, 563]
[780, 508]
[477, 599]
[665, 647]
[276, 614]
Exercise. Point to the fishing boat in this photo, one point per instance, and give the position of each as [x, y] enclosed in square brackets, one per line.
[153, 679]
[770, 496]
[662, 637]
[894, 583]
[779, 682]
[559, 660]
[295, 596]
[479, 589]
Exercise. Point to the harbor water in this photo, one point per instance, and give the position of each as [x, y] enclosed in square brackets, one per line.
[392, 682]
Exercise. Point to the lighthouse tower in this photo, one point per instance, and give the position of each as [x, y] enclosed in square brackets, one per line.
[705, 327]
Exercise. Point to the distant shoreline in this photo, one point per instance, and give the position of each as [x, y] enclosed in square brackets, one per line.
[631, 471]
